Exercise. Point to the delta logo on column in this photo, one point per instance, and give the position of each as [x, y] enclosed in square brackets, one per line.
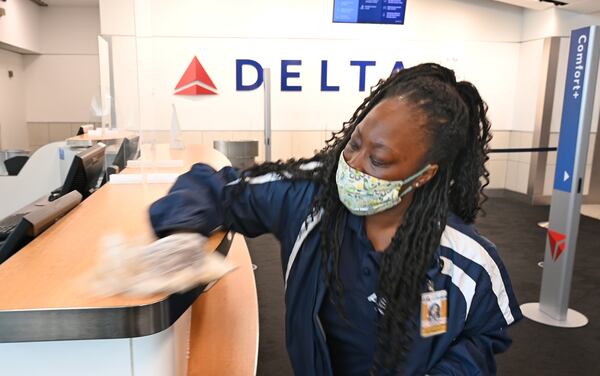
[195, 81]
[558, 243]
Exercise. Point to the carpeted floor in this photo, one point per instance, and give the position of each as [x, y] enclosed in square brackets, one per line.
[272, 355]
[512, 226]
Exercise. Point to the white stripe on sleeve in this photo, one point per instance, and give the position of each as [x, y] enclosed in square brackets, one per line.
[307, 227]
[469, 248]
[276, 176]
[262, 179]
[460, 279]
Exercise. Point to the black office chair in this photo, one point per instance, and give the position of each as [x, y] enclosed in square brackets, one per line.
[15, 164]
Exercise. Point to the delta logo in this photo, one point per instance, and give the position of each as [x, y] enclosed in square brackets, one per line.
[195, 81]
[558, 244]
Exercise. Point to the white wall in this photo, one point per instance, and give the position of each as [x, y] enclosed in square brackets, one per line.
[19, 27]
[475, 38]
[425, 19]
[165, 59]
[153, 41]
[527, 87]
[13, 133]
[55, 83]
[70, 30]
[59, 88]
[63, 79]
[554, 22]
[497, 46]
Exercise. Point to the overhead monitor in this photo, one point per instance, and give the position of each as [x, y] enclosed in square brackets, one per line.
[369, 11]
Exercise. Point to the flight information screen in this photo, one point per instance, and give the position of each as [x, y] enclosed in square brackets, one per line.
[369, 11]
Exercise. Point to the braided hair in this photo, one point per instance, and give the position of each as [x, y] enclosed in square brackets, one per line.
[459, 132]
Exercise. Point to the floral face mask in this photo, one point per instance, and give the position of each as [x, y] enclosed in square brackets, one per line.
[364, 194]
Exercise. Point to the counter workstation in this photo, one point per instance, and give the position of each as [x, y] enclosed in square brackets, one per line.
[52, 324]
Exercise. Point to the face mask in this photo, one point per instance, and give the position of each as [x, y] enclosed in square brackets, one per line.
[364, 194]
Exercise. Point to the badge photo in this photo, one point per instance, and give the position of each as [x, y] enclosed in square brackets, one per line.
[434, 313]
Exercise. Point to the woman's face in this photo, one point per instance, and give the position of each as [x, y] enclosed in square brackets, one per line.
[390, 142]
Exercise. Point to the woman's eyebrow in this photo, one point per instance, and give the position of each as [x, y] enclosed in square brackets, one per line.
[379, 145]
[376, 144]
[358, 133]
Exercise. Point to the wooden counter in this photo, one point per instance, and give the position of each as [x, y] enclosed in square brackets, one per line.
[49, 275]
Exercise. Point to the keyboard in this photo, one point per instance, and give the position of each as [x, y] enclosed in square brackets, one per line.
[8, 224]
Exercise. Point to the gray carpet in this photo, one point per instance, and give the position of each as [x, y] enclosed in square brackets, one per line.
[512, 226]
[272, 355]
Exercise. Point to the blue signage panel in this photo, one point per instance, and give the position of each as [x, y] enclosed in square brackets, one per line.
[369, 11]
[569, 128]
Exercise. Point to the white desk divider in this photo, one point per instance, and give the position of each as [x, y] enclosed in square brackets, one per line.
[95, 132]
[163, 163]
[142, 178]
[161, 178]
[126, 179]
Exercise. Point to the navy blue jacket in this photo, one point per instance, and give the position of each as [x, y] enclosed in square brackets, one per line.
[481, 303]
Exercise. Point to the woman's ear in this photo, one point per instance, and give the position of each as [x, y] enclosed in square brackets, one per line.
[427, 176]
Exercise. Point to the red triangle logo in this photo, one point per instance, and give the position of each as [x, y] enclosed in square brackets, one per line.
[558, 243]
[195, 81]
[195, 90]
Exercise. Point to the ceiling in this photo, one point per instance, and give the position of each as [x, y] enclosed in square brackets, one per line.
[579, 6]
[80, 3]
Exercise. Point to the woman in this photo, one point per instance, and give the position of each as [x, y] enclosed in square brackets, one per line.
[374, 229]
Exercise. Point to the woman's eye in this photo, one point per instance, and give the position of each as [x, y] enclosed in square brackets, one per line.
[376, 162]
[353, 146]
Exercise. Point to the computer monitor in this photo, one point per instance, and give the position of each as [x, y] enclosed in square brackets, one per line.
[18, 238]
[133, 151]
[35, 219]
[86, 172]
[127, 151]
[121, 157]
[84, 129]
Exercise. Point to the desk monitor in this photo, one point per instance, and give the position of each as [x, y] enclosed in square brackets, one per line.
[37, 217]
[121, 157]
[84, 129]
[85, 172]
[127, 151]
[133, 151]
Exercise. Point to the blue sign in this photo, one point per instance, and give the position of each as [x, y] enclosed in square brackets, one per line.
[569, 128]
[369, 11]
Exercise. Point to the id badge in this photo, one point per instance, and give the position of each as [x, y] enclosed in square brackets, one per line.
[434, 313]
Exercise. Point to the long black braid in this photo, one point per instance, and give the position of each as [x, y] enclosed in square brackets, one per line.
[459, 133]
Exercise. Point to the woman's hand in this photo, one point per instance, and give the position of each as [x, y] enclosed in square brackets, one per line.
[172, 264]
